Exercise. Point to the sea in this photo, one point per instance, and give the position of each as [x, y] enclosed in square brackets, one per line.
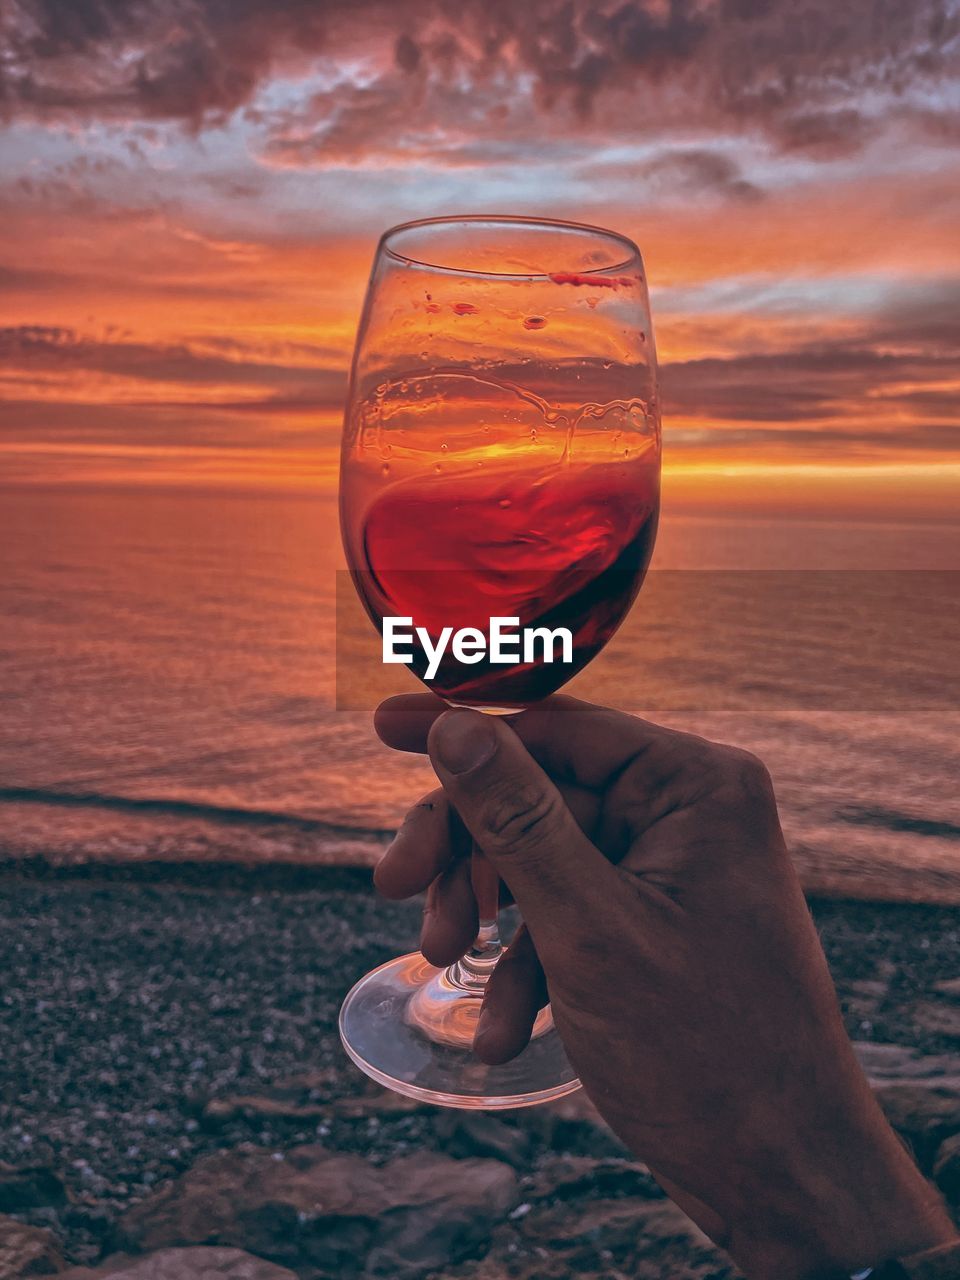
[169, 688]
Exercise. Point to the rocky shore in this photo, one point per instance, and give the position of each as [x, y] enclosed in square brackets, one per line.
[174, 1103]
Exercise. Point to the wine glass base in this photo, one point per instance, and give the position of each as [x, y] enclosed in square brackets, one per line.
[410, 1027]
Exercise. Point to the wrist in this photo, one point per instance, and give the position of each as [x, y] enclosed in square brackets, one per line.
[850, 1199]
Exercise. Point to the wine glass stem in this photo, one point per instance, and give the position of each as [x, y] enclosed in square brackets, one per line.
[475, 967]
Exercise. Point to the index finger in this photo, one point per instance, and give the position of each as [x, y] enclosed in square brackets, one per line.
[403, 721]
[572, 740]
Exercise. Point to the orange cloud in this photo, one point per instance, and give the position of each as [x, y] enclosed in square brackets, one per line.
[191, 199]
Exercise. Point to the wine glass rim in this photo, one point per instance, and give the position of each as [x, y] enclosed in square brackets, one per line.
[503, 219]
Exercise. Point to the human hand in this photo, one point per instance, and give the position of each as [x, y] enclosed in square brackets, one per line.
[684, 972]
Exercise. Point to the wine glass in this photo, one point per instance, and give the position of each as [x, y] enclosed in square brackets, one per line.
[501, 457]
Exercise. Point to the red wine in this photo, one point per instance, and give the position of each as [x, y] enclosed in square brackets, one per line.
[567, 547]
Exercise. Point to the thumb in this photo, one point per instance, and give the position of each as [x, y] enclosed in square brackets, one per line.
[518, 818]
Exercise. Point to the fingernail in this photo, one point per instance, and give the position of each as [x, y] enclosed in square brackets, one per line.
[464, 740]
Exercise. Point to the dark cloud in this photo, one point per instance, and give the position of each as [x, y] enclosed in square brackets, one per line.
[51, 282]
[315, 353]
[902, 361]
[809, 383]
[43, 349]
[697, 170]
[344, 124]
[805, 390]
[942, 127]
[582, 49]
[407, 53]
[924, 313]
[796, 69]
[270, 422]
[826, 133]
[157, 59]
[735, 390]
[930, 400]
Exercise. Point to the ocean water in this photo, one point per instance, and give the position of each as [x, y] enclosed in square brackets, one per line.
[167, 683]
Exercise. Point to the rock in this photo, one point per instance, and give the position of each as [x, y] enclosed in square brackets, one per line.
[862, 998]
[183, 1264]
[466, 1133]
[575, 1107]
[896, 1062]
[574, 1126]
[310, 1096]
[946, 1169]
[585, 1266]
[29, 1187]
[571, 1177]
[220, 1111]
[26, 1251]
[307, 1096]
[326, 1214]
[941, 1018]
[925, 1113]
[615, 1224]
[386, 1102]
[665, 1221]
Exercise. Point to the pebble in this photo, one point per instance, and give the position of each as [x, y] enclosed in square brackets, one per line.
[141, 1009]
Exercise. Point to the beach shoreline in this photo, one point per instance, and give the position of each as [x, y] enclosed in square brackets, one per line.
[142, 1002]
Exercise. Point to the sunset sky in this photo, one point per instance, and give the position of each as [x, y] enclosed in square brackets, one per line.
[191, 191]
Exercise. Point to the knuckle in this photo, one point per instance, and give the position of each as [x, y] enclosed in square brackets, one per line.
[684, 758]
[521, 816]
[748, 770]
[734, 772]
